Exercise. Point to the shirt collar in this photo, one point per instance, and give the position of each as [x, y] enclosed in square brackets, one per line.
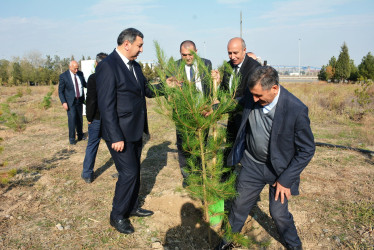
[124, 58]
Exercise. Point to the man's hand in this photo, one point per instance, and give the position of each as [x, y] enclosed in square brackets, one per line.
[65, 106]
[88, 122]
[118, 146]
[172, 82]
[215, 75]
[283, 191]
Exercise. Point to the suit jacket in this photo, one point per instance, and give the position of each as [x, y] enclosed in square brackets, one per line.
[205, 85]
[121, 100]
[291, 139]
[66, 88]
[92, 110]
[247, 68]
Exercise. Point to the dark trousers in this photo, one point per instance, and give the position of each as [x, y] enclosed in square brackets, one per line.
[75, 120]
[94, 137]
[126, 193]
[233, 125]
[252, 179]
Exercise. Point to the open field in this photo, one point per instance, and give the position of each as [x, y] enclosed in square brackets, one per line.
[47, 205]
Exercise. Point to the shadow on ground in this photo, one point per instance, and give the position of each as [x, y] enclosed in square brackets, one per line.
[193, 233]
[30, 175]
[153, 163]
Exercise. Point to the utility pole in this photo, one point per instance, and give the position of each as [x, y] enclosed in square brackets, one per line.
[241, 22]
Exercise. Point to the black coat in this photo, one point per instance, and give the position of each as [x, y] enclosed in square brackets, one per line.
[92, 109]
[247, 68]
[205, 85]
[121, 100]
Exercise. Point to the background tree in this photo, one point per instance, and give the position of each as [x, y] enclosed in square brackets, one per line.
[4, 75]
[330, 72]
[149, 73]
[16, 74]
[28, 71]
[354, 71]
[342, 68]
[366, 67]
[322, 75]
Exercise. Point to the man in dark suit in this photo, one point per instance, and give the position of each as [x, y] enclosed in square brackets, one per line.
[274, 144]
[244, 66]
[121, 91]
[93, 120]
[70, 91]
[193, 75]
[191, 70]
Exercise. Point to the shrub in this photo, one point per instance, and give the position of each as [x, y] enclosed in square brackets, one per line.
[46, 103]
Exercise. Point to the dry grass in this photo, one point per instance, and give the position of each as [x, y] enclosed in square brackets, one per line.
[335, 115]
[334, 210]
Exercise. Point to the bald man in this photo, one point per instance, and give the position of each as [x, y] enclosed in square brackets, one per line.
[70, 91]
[244, 66]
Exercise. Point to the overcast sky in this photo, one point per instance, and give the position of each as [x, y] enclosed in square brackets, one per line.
[271, 29]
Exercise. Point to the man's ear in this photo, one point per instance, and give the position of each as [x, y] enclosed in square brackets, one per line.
[126, 44]
[275, 88]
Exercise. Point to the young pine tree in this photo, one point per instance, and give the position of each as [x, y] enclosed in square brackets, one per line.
[187, 107]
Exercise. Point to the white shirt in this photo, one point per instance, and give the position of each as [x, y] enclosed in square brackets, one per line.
[126, 61]
[266, 109]
[79, 84]
[198, 84]
[232, 75]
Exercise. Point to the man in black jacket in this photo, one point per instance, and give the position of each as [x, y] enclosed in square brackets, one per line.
[93, 119]
[193, 75]
[244, 66]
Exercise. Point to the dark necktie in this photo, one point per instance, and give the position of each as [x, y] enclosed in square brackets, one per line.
[131, 68]
[76, 87]
[192, 74]
[236, 69]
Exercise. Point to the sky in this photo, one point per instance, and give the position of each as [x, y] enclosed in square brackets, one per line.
[280, 32]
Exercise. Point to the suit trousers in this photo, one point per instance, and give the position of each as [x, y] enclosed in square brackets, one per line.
[94, 137]
[126, 193]
[75, 120]
[252, 179]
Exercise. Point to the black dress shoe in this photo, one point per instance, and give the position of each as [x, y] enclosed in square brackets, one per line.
[82, 138]
[140, 212]
[123, 226]
[223, 245]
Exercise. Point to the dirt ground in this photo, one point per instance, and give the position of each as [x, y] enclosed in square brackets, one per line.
[47, 205]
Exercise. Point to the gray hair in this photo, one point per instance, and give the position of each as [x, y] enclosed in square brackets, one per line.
[129, 34]
[101, 56]
[267, 76]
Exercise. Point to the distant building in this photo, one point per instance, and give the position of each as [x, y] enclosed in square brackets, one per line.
[151, 64]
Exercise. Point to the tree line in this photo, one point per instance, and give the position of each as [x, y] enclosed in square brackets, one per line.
[343, 69]
[32, 69]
